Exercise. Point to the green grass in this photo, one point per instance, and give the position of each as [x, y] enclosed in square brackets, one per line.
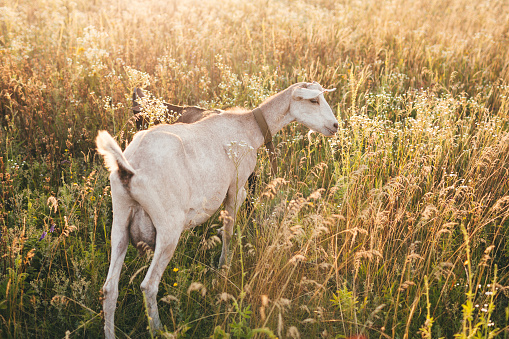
[395, 228]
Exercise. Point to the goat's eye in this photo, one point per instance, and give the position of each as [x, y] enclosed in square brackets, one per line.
[314, 101]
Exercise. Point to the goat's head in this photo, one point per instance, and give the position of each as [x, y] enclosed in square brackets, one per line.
[308, 106]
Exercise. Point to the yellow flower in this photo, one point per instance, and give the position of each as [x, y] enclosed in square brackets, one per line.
[175, 269]
[175, 284]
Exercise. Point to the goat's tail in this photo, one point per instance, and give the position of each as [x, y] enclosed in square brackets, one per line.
[113, 156]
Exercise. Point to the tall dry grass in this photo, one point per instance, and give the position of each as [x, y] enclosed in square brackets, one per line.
[397, 227]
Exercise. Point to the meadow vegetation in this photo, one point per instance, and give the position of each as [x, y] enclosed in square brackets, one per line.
[395, 228]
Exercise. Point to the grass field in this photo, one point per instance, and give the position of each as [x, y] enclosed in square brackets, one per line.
[397, 227]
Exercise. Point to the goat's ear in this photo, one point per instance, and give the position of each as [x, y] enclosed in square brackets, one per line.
[301, 93]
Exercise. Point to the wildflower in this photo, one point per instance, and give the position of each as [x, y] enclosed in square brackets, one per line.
[175, 284]
[92, 198]
[52, 228]
[175, 269]
[43, 235]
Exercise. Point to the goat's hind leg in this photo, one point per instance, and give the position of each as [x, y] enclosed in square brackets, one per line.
[168, 231]
[119, 243]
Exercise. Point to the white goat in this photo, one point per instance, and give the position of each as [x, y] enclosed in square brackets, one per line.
[174, 177]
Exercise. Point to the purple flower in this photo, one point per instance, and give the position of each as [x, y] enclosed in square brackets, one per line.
[43, 235]
[52, 228]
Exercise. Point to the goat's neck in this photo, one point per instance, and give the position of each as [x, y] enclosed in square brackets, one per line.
[276, 111]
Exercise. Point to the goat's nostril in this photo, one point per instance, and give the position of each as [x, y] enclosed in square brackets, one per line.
[336, 126]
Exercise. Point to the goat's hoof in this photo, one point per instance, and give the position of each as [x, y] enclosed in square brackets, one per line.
[221, 263]
[224, 267]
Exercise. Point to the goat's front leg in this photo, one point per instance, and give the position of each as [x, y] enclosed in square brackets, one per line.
[233, 202]
[119, 242]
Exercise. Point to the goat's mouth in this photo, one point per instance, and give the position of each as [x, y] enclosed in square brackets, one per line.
[331, 131]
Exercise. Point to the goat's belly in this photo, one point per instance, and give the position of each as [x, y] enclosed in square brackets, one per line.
[197, 216]
[142, 230]
[202, 209]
